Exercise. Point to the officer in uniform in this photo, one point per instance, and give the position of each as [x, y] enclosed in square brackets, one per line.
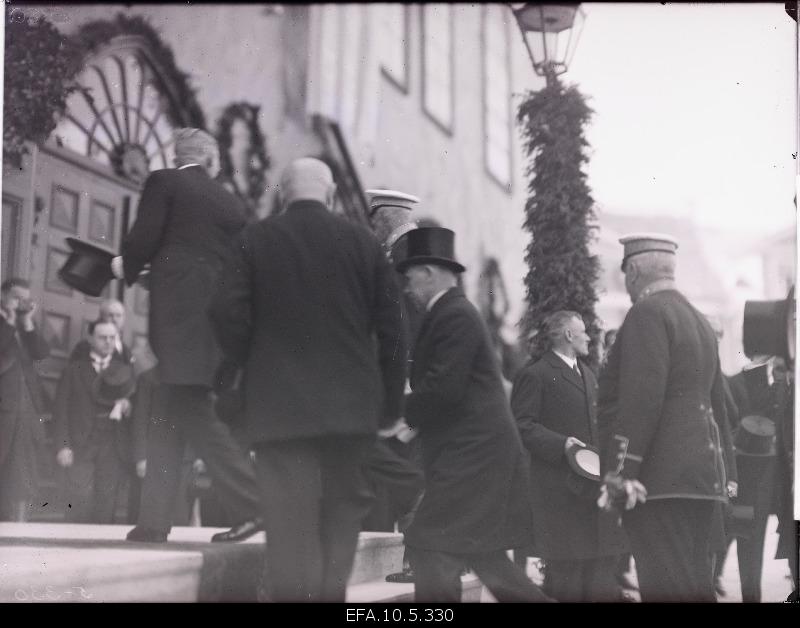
[661, 397]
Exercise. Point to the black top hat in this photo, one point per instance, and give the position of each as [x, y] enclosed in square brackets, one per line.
[430, 245]
[87, 269]
[756, 436]
[769, 327]
[117, 381]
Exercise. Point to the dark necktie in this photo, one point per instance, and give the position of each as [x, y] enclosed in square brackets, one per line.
[577, 370]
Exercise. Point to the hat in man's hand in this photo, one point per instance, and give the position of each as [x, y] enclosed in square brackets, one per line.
[583, 478]
[116, 382]
[430, 245]
[87, 269]
[637, 243]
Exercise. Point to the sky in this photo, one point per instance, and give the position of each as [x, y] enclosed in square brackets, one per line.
[695, 111]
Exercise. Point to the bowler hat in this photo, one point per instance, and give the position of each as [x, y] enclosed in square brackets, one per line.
[88, 268]
[430, 245]
[768, 327]
[116, 382]
[756, 436]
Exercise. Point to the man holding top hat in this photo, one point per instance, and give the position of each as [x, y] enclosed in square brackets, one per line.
[476, 503]
[661, 399]
[90, 415]
[185, 227]
[554, 401]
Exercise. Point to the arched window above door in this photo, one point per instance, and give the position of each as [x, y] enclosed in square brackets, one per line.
[120, 115]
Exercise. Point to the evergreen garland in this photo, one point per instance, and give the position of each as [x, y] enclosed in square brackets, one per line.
[257, 159]
[186, 111]
[40, 67]
[562, 274]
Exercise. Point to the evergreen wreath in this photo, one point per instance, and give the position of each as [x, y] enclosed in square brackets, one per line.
[257, 159]
[40, 68]
[186, 110]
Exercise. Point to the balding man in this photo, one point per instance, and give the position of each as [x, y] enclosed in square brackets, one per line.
[661, 392]
[301, 308]
[185, 225]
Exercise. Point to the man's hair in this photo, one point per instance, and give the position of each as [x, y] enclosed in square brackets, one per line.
[14, 282]
[654, 265]
[306, 178]
[556, 323]
[109, 302]
[194, 146]
[93, 325]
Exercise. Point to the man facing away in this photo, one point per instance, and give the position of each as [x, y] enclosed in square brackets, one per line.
[476, 503]
[661, 399]
[185, 228]
[306, 298]
[554, 402]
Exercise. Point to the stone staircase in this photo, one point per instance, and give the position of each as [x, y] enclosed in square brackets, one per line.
[58, 562]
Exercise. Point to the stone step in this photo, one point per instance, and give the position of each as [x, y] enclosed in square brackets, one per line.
[95, 563]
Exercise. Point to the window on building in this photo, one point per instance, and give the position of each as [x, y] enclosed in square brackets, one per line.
[437, 64]
[393, 20]
[497, 113]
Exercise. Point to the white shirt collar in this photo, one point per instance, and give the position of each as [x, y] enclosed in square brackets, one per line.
[187, 166]
[435, 298]
[99, 362]
[570, 362]
[4, 315]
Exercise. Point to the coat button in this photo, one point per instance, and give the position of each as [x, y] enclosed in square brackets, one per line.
[702, 406]
[716, 486]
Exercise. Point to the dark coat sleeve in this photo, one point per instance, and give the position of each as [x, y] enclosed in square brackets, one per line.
[61, 406]
[644, 369]
[144, 238]
[721, 396]
[526, 404]
[392, 344]
[455, 339]
[231, 310]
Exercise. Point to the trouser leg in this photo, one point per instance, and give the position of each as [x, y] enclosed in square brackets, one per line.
[230, 468]
[108, 472]
[437, 576]
[290, 479]
[345, 502]
[506, 581]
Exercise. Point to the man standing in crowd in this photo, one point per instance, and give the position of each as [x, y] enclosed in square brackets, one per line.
[113, 311]
[20, 392]
[661, 396]
[476, 503]
[554, 402]
[90, 426]
[185, 225]
[310, 309]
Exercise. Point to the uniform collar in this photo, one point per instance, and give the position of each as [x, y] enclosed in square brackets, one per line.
[659, 285]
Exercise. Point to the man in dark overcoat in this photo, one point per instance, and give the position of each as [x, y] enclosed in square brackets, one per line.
[661, 393]
[90, 418]
[476, 503]
[185, 228]
[309, 308]
[554, 401]
[21, 399]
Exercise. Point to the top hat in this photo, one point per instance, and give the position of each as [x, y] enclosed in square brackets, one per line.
[768, 327]
[636, 243]
[87, 269]
[755, 437]
[430, 245]
[116, 382]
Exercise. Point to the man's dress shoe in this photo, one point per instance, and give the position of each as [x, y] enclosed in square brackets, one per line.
[239, 532]
[140, 534]
[405, 576]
